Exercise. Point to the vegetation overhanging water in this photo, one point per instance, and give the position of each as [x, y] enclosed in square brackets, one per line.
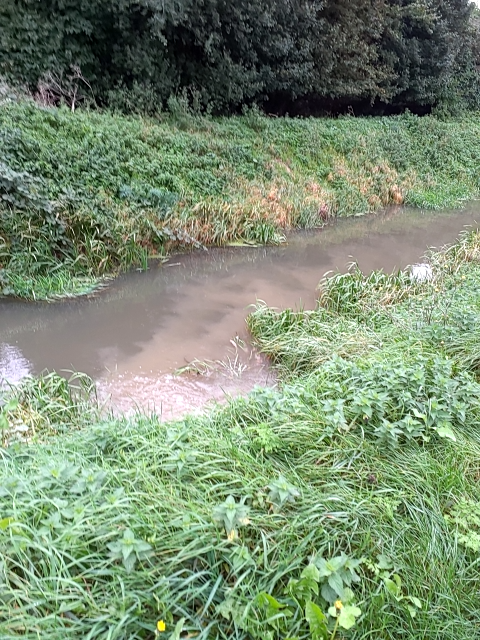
[105, 192]
[188, 313]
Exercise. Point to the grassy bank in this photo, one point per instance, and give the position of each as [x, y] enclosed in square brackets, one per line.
[357, 481]
[85, 194]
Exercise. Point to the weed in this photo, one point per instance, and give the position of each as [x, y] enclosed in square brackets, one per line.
[465, 516]
[47, 404]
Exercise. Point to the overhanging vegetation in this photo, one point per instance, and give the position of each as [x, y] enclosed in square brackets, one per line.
[84, 195]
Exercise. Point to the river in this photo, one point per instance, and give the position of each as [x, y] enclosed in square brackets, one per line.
[133, 336]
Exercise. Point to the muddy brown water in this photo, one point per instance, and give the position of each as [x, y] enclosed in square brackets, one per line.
[134, 336]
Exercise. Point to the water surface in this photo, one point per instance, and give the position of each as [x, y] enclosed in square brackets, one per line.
[133, 336]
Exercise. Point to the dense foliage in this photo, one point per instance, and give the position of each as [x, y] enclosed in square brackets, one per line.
[343, 505]
[85, 194]
[301, 56]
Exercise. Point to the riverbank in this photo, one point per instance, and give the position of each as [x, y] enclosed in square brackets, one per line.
[357, 480]
[87, 194]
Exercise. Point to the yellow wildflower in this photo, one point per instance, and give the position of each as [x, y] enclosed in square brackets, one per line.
[161, 626]
[338, 605]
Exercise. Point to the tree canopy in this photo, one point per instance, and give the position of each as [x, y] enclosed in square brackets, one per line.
[321, 54]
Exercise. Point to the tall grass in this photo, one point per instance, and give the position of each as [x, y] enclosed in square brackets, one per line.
[68, 502]
[109, 191]
[380, 313]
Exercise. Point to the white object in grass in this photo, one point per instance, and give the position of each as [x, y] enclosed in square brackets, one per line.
[421, 272]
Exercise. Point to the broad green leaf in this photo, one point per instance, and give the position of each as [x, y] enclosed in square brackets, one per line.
[274, 609]
[418, 414]
[383, 561]
[127, 551]
[317, 621]
[336, 563]
[311, 573]
[142, 547]
[398, 580]
[115, 548]
[348, 595]
[445, 431]
[5, 522]
[324, 571]
[351, 563]
[348, 616]
[328, 594]
[336, 583]
[265, 599]
[332, 611]
[392, 587]
[327, 567]
[302, 589]
[128, 537]
[415, 601]
[129, 562]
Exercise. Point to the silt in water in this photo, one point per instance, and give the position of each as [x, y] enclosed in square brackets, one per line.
[134, 336]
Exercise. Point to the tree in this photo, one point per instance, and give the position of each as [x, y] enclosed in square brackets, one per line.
[318, 53]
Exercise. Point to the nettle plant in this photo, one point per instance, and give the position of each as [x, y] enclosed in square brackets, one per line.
[321, 600]
[178, 456]
[232, 515]
[63, 501]
[129, 549]
[465, 517]
[396, 402]
[281, 492]
[387, 577]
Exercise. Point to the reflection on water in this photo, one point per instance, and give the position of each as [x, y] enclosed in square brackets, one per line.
[13, 366]
[134, 335]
